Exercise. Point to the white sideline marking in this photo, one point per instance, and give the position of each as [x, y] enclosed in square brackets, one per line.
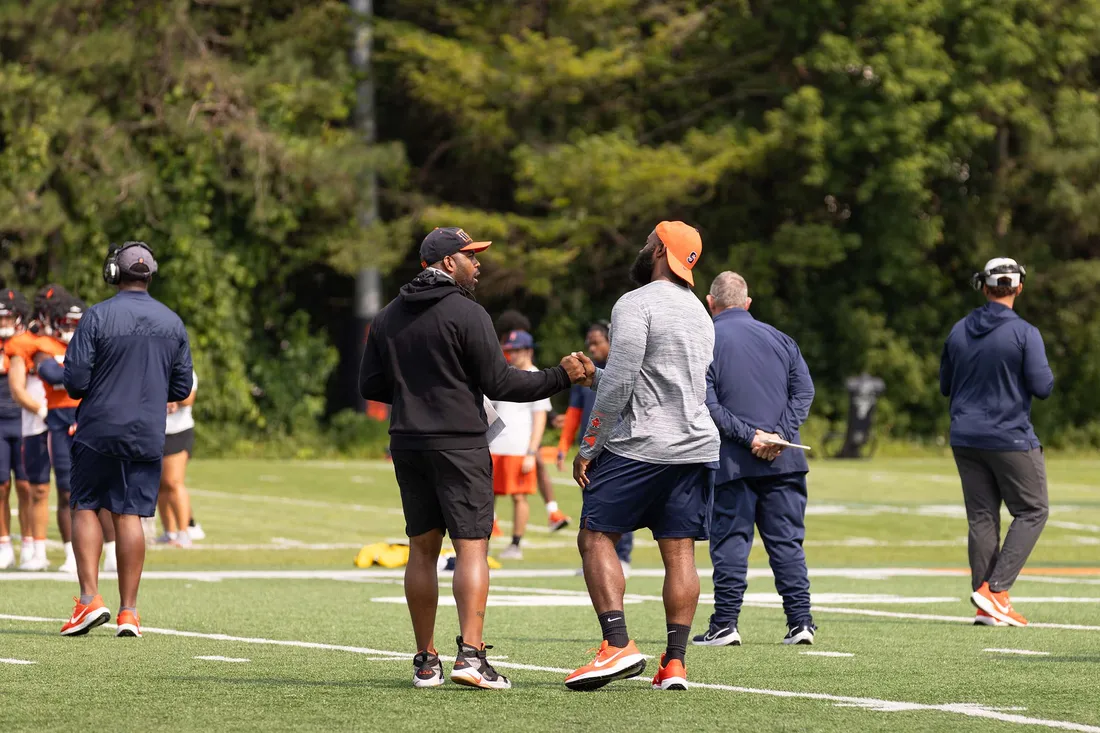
[828, 654]
[866, 703]
[222, 659]
[927, 617]
[16, 661]
[267, 499]
[316, 547]
[1026, 652]
[534, 600]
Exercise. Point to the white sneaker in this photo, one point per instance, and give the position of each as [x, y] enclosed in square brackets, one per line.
[26, 554]
[196, 532]
[166, 539]
[183, 539]
[69, 566]
[34, 564]
[7, 556]
[511, 552]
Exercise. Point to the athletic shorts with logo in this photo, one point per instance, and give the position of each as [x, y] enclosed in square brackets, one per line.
[448, 490]
[509, 478]
[119, 485]
[624, 495]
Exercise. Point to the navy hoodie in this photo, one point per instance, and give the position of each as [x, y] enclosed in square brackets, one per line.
[432, 354]
[993, 363]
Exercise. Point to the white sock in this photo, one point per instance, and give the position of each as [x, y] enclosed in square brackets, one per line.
[551, 507]
[109, 550]
[173, 535]
[5, 540]
[27, 549]
[40, 549]
[69, 552]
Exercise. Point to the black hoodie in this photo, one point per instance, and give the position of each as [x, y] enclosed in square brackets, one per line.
[432, 354]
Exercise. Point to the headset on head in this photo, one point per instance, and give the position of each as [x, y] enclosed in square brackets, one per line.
[112, 271]
[979, 279]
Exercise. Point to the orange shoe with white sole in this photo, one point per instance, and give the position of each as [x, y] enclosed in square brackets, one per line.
[997, 605]
[611, 663]
[671, 676]
[86, 617]
[981, 618]
[128, 624]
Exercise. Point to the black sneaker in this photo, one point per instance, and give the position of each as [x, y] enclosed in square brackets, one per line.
[802, 633]
[718, 635]
[473, 670]
[427, 670]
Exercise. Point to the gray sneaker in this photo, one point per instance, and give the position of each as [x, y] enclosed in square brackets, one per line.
[473, 670]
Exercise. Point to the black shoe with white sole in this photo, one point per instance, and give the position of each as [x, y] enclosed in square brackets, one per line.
[718, 635]
[473, 670]
[427, 670]
[800, 634]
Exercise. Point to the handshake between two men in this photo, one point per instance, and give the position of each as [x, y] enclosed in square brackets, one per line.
[580, 368]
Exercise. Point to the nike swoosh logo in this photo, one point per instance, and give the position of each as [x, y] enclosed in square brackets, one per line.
[607, 661]
[74, 619]
[617, 618]
[711, 637]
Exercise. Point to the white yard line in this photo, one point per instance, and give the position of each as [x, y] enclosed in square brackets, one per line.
[1024, 652]
[268, 499]
[222, 659]
[16, 661]
[865, 703]
[827, 654]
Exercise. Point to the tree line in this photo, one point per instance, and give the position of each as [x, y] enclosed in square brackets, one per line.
[856, 161]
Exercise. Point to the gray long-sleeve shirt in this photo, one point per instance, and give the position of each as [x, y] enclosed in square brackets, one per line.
[662, 341]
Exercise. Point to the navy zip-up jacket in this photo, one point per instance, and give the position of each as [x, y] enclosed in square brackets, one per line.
[128, 359]
[758, 379]
[993, 363]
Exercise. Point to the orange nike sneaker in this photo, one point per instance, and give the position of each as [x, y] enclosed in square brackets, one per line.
[497, 532]
[86, 617]
[997, 605]
[611, 663]
[558, 520]
[671, 676]
[981, 618]
[128, 624]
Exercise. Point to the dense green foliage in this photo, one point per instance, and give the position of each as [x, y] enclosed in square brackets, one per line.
[855, 160]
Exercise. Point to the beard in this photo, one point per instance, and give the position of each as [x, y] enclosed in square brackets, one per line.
[641, 272]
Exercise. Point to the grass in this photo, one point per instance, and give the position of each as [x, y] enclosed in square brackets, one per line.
[267, 516]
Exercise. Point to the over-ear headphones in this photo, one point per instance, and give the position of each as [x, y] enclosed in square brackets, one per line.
[112, 271]
[996, 270]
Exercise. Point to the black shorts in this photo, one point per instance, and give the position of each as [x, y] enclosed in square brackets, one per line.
[118, 485]
[448, 490]
[183, 442]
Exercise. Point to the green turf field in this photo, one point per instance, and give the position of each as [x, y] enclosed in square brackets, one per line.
[319, 644]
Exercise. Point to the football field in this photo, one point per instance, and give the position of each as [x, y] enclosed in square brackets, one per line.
[266, 624]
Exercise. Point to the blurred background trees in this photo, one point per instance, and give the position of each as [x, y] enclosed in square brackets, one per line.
[855, 160]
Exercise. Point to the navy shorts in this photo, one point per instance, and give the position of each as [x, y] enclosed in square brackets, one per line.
[118, 485]
[36, 458]
[624, 495]
[11, 459]
[61, 456]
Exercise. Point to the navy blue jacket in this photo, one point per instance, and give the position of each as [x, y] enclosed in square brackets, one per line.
[993, 363]
[128, 359]
[758, 379]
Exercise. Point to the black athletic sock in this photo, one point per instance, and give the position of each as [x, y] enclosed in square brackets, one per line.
[613, 624]
[516, 539]
[191, 522]
[677, 642]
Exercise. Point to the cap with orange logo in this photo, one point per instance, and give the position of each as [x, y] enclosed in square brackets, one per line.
[446, 241]
[684, 246]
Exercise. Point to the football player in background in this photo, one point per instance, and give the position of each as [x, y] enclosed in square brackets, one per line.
[13, 311]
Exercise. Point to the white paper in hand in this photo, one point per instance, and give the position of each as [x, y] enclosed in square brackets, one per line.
[785, 444]
[496, 422]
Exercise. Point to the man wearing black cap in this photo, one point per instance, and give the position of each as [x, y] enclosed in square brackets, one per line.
[128, 358]
[432, 353]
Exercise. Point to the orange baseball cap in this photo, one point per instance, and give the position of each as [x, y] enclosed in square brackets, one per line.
[684, 247]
